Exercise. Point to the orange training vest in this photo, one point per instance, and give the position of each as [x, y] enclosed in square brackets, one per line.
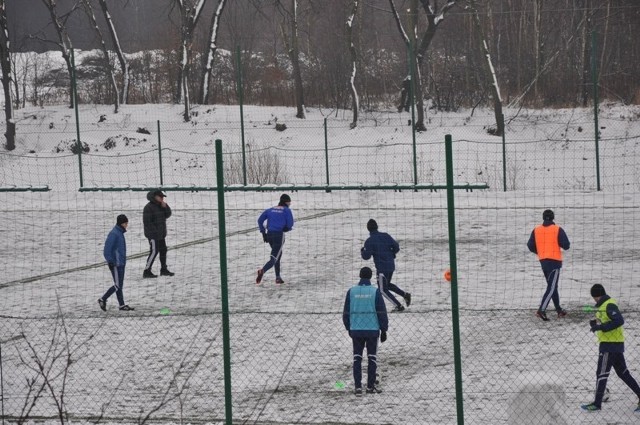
[547, 242]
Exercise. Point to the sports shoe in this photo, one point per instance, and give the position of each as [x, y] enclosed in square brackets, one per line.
[260, 274]
[279, 280]
[374, 390]
[103, 304]
[562, 313]
[166, 272]
[358, 391]
[398, 308]
[542, 315]
[590, 407]
[407, 298]
[126, 308]
[148, 274]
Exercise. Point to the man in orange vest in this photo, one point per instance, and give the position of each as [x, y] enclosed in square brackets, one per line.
[546, 240]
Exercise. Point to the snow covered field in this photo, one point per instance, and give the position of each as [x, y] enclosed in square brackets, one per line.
[291, 360]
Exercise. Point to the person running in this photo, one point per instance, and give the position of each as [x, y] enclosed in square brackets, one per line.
[546, 241]
[154, 218]
[383, 248]
[365, 318]
[279, 220]
[608, 329]
[115, 253]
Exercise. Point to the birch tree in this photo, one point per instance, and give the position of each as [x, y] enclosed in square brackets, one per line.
[417, 51]
[355, 102]
[211, 52]
[5, 64]
[489, 76]
[124, 64]
[189, 16]
[88, 9]
[293, 51]
[64, 42]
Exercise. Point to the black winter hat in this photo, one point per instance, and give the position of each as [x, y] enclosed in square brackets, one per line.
[285, 198]
[548, 215]
[597, 290]
[372, 225]
[122, 219]
[365, 273]
[159, 193]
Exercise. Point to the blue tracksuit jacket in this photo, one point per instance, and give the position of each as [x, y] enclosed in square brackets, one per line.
[383, 248]
[115, 247]
[278, 218]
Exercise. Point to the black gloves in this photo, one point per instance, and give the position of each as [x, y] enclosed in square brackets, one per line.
[111, 266]
[383, 336]
[285, 229]
[264, 238]
[594, 325]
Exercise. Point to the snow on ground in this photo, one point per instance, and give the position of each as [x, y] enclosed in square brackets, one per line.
[290, 353]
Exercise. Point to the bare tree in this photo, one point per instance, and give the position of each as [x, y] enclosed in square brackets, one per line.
[88, 9]
[489, 76]
[64, 42]
[189, 15]
[293, 50]
[211, 53]
[355, 102]
[51, 366]
[5, 64]
[124, 64]
[417, 52]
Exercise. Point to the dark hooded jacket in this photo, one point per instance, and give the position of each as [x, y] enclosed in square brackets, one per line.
[154, 218]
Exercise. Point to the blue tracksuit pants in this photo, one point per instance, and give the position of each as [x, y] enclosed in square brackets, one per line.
[118, 283]
[276, 241]
[359, 344]
[605, 362]
[551, 294]
[387, 288]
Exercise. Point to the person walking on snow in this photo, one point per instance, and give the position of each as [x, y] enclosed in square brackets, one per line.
[365, 318]
[279, 220]
[154, 218]
[608, 329]
[115, 253]
[546, 240]
[383, 248]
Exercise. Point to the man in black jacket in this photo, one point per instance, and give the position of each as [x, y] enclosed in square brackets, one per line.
[154, 217]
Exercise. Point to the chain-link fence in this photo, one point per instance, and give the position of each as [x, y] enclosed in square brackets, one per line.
[64, 360]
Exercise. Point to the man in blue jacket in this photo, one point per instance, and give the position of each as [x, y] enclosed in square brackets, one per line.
[279, 220]
[383, 248]
[608, 329]
[115, 252]
[365, 318]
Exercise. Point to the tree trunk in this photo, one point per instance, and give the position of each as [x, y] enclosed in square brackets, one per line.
[295, 62]
[64, 43]
[355, 103]
[586, 53]
[189, 19]
[5, 64]
[537, 45]
[213, 47]
[124, 64]
[108, 69]
[490, 79]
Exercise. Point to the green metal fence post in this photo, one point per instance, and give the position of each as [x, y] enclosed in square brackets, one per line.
[455, 316]
[241, 100]
[412, 97]
[74, 89]
[224, 296]
[594, 80]
[160, 154]
[504, 155]
[326, 152]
